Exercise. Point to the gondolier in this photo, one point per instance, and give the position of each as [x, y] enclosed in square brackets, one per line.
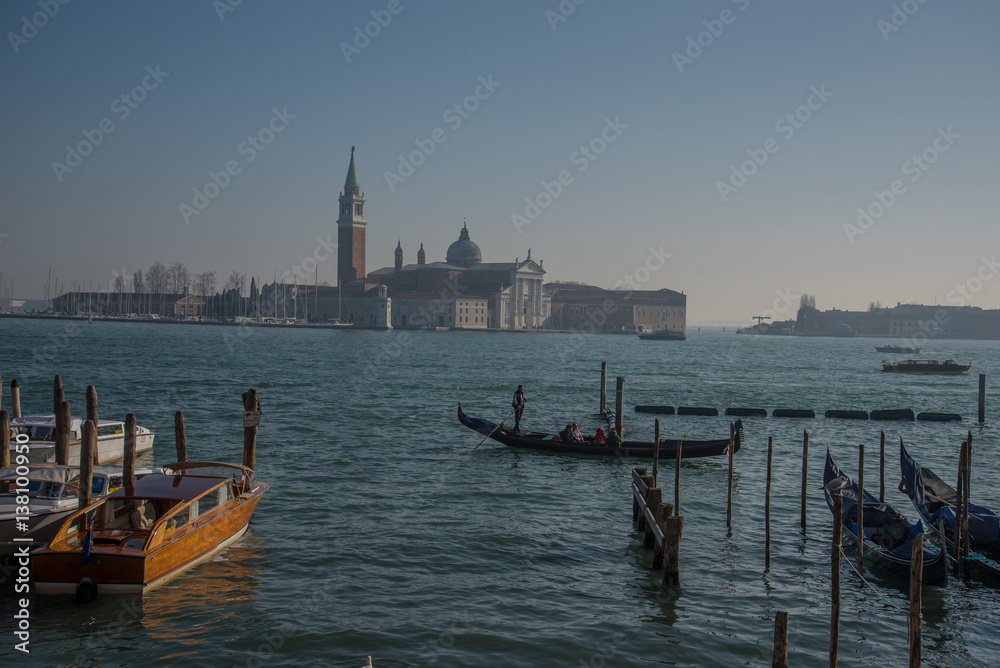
[518, 405]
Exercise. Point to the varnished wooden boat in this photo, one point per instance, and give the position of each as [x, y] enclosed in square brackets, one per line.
[542, 441]
[144, 535]
[887, 532]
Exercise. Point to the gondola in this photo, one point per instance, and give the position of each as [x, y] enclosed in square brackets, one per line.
[542, 441]
[935, 500]
[888, 535]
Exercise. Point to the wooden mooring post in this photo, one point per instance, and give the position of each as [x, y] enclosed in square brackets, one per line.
[861, 505]
[967, 486]
[982, 398]
[619, 405]
[729, 492]
[15, 399]
[637, 474]
[251, 403]
[779, 656]
[881, 467]
[93, 416]
[805, 477]
[604, 386]
[62, 433]
[767, 506]
[58, 396]
[959, 507]
[180, 437]
[677, 479]
[656, 451]
[128, 464]
[838, 510]
[4, 439]
[88, 445]
[674, 527]
[661, 530]
[916, 604]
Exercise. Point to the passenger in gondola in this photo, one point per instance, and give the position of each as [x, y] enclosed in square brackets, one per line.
[566, 435]
[599, 438]
[576, 435]
[613, 440]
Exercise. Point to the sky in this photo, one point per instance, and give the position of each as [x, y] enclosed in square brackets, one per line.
[740, 151]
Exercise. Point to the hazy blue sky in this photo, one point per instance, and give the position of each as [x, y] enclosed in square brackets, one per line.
[885, 81]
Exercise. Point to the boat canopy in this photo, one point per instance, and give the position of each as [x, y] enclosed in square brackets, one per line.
[42, 473]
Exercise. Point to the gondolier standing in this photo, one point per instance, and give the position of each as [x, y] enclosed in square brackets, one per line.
[518, 404]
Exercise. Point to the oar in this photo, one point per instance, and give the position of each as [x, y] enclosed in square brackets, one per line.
[494, 430]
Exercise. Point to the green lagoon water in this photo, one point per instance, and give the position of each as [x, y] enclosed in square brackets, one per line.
[385, 534]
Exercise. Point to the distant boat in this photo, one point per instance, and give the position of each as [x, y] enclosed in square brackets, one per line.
[662, 335]
[41, 433]
[898, 349]
[926, 366]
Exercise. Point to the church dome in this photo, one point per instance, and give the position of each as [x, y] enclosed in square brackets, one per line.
[464, 252]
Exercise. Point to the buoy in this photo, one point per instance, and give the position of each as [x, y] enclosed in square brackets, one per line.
[747, 412]
[663, 410]
[894, 414]
[694, 410]
[86, 591]
[848, 415]
[939, 417]
[794, 413]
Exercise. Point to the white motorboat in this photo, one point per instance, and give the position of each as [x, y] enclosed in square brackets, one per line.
[53, 493]
[41, 433]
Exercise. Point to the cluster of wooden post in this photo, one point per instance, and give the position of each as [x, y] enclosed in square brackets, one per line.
[961, 547]
[662, 528]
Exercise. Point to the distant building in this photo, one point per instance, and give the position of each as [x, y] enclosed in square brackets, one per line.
[188, 305]
[589, 308]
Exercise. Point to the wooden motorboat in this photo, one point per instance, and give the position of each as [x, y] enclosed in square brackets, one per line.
[899, 349]
[41, 433]
[143, 535]
[926, 366]
[543, 441]
[662, 335]
[52, 493]
[888, 535]
[935, 500]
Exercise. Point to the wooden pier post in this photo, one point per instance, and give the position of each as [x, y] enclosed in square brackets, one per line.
[128, 465]
[656, 451]
[92, 415]
[180, 438]
[251, 402]
[767, 506]
[982, 398]
[672, 551]
[881, 468]
[4, 439]
[604, 385]
[640, 471]
[861, 505]
[838, 512]
[62, 433]
[729, 493]
[779, 656]
[661, 513]
[959, 507]
[805, 476]
[15, 399]
[967, 471]
[677, 479]
[619, 405]
[88, 445]
[916, 604]
[58, 396]
[654, 497]
[647, 480]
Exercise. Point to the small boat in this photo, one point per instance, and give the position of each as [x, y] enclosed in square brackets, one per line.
[53, 493]
[926, 366]
[542, 441]
[888, 535]
[899, 349]
[935, 500]
[141, 536]
[662, 335]
[41, 432]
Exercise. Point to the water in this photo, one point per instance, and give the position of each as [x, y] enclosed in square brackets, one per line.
[386, 534]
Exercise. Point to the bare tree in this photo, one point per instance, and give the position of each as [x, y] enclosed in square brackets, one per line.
[179, 278]
[119, 291]
[204, 284]
[156, 279]
[874, 306]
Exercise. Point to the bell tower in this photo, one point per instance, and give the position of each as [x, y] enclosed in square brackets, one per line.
[351, 229]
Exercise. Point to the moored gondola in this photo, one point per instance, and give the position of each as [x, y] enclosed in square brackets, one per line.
[644, 450]
[888, 535]
[935, 500]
